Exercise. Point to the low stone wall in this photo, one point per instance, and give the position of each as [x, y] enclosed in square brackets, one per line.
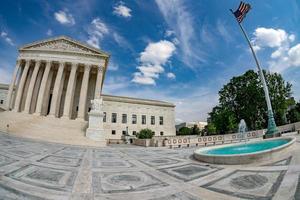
[297, 126]
[115, 141]
[195, 140]
[211, 140]
[142, 142]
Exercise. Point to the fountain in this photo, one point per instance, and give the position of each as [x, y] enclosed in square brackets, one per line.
[242, 129]
[246, 153]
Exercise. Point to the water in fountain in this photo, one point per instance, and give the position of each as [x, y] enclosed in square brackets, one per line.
[242, 128]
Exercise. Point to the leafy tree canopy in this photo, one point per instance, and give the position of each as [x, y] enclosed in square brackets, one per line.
[184, 131]
[243, 98]
[145, 134]
[294, 113]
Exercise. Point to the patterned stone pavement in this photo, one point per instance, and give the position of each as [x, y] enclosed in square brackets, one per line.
[38, 170]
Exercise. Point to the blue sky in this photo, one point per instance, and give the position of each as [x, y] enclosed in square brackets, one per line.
[172, 50]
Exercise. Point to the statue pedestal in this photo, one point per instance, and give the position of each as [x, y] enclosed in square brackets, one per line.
[95, 129]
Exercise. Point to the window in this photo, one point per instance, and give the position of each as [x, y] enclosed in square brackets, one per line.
[104, 117]
[113, 132]
[161, 120]
[152, 120]
[124, 118]
[161, 133]
[133, 132]
[133, 119]
[143, 119]
[123, 132]
[1, 101]
[113, 117]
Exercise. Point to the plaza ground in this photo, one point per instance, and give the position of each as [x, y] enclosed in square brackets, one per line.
[31, 169]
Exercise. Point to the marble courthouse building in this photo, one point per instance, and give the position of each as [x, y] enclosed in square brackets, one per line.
[59, 77]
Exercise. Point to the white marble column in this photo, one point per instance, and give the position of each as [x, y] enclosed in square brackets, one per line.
[83, 93]
[41, 95]
[12, 85]
[58, 86]
[21, 86]
[70, 92]
[98, 87]
[31, 86]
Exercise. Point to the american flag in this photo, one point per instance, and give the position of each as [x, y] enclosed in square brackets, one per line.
[241, 12]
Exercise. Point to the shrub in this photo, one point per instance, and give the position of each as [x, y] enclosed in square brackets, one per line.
[145, 134]
[184, 131]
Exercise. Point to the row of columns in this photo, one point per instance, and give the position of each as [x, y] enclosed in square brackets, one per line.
[57, 89]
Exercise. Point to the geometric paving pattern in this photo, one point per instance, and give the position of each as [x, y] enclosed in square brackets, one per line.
[38, 170]
[189, 172]
[72, 152]
[156, 162]
[178, 196]
[283, 162]
[10, 194]
[4, 160]
[297, 193]
[124, 182]
[50, 178]
[23, 153]
[248, 184]
[58, 160]
[112, 163]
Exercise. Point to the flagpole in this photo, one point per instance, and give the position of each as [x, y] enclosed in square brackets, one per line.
[272, 129]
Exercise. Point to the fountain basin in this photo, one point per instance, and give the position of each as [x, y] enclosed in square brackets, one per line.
[246, 153]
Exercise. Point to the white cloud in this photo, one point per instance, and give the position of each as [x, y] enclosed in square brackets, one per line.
[283, 55]
[171, 75]
[158, 53]
[64, 17]
[112, 66]
[121, 41]
[222, 28]
[294, 55]
[49, 32]
[169, 33]
[180, 21]
[292, 37]
[96, 32]
[122, 10]
[98, 29]
[140, 78]
[269, 37]
[5, 36]
[152, 59]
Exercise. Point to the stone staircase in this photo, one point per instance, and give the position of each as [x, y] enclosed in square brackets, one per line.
[46, 128]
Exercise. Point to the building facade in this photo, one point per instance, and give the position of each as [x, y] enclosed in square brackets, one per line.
[59, 77]
[3, 95]
[200, 125]
[124, 115]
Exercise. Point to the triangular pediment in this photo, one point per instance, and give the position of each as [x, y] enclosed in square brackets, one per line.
[63, 44]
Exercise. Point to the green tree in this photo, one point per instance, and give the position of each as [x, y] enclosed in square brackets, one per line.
[294, 114]
[145, 134]
[243, 98]
[195, 130]
[184, 131]
[210, 129]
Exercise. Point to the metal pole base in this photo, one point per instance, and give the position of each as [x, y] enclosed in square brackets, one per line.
[272, 129]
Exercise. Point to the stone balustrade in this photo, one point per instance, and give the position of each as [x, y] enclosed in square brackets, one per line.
[211, 140]
[194, 140]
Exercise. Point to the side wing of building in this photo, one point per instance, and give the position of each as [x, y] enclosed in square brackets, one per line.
[129, 115]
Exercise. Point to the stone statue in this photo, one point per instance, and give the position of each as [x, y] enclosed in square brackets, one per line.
[97, 105]
[95, 129]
